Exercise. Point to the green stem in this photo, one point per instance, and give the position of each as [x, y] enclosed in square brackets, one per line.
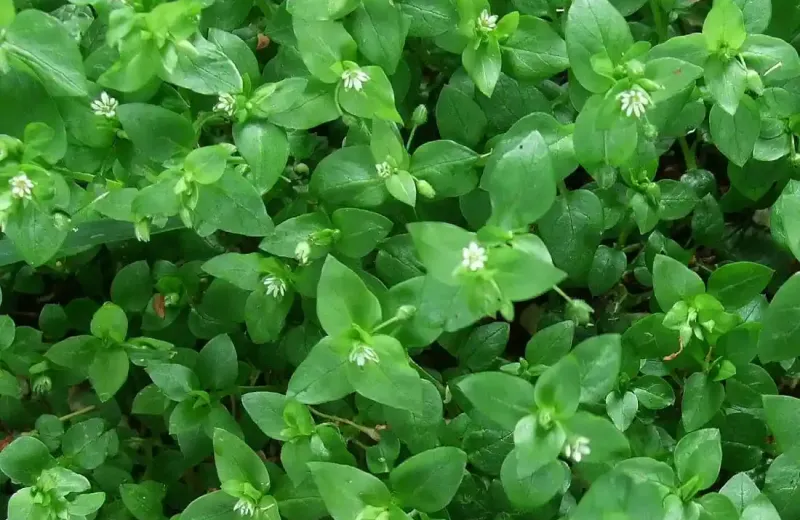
[77, 413]
[658, 19]
[688, 154]
[562, 188]
[562, 293]
[369, 432]
[387, 323]
[411, 137]
[425, 375]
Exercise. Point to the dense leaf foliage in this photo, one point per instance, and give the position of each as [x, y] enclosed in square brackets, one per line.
[400, 259]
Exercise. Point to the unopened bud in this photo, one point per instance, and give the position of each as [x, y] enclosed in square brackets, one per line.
[301, 169]
[405, 312]
[635, 68]
[754, 82]
[653, 193]
[142, 230]
[420, 115]
[42, 385]
[579, 312]
[425, 189]
[649, 85]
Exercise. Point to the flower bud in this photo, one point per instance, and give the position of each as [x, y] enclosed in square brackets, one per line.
[635, 68]
[42, 385]
[425, 189]
[754, 82]
[405, 312]
[649, 85]
[142, 230]
[579, 312]
[420, 115]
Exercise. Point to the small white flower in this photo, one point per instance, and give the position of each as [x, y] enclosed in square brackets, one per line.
[275, 286]
[21, 186]
[577, 449]
[226, 104]
[474, 257]
[487, 22]
[362, 354]
[105, 106]
[355, 79]
[634, 101]
[244, 508]
[385, 170]
[302, 252]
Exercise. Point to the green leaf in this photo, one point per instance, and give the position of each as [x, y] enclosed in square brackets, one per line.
[236, 461]
[735, 284]
[108, 372]
[559, 388]
[520, 180]
[216, 505]
[702, 399]
[75, 352]
[243, 271]
[232, 204]
[379, 28]
[459, 118]
[735, 135]
[265, 148]
[595, 27]
[205, 69]
[132, 286]
[312, 10]
[361, 231]
[599, 141]
[429, 18]
[782, 413]
[207, 164]
[401, 186]
[157, 132]
[35, 234]
[550, 344]
[347, 502]
[388, 379]
[343, 300]
[483, 346]
[674, 282]
[42, 43]
[266, 410]
[529, 492]
[315, 105]
[110, 322]
[608, 266]
[24, 459]
[217, 367]
[536, 444]
[348, 177]
[698, 456]
[265, 315]
[534, 50]
[237, 51]
[176, 381]
[622, 409]
[678, 199]
[322, 376]
[780, 338]
[439, 246]
[726, 81]
[143, 500]
[483, 63]
[653, 392]
[724, 26]
[503, 398]
[572, 230]
[374, 100]
[781, 485]
[412, 480]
